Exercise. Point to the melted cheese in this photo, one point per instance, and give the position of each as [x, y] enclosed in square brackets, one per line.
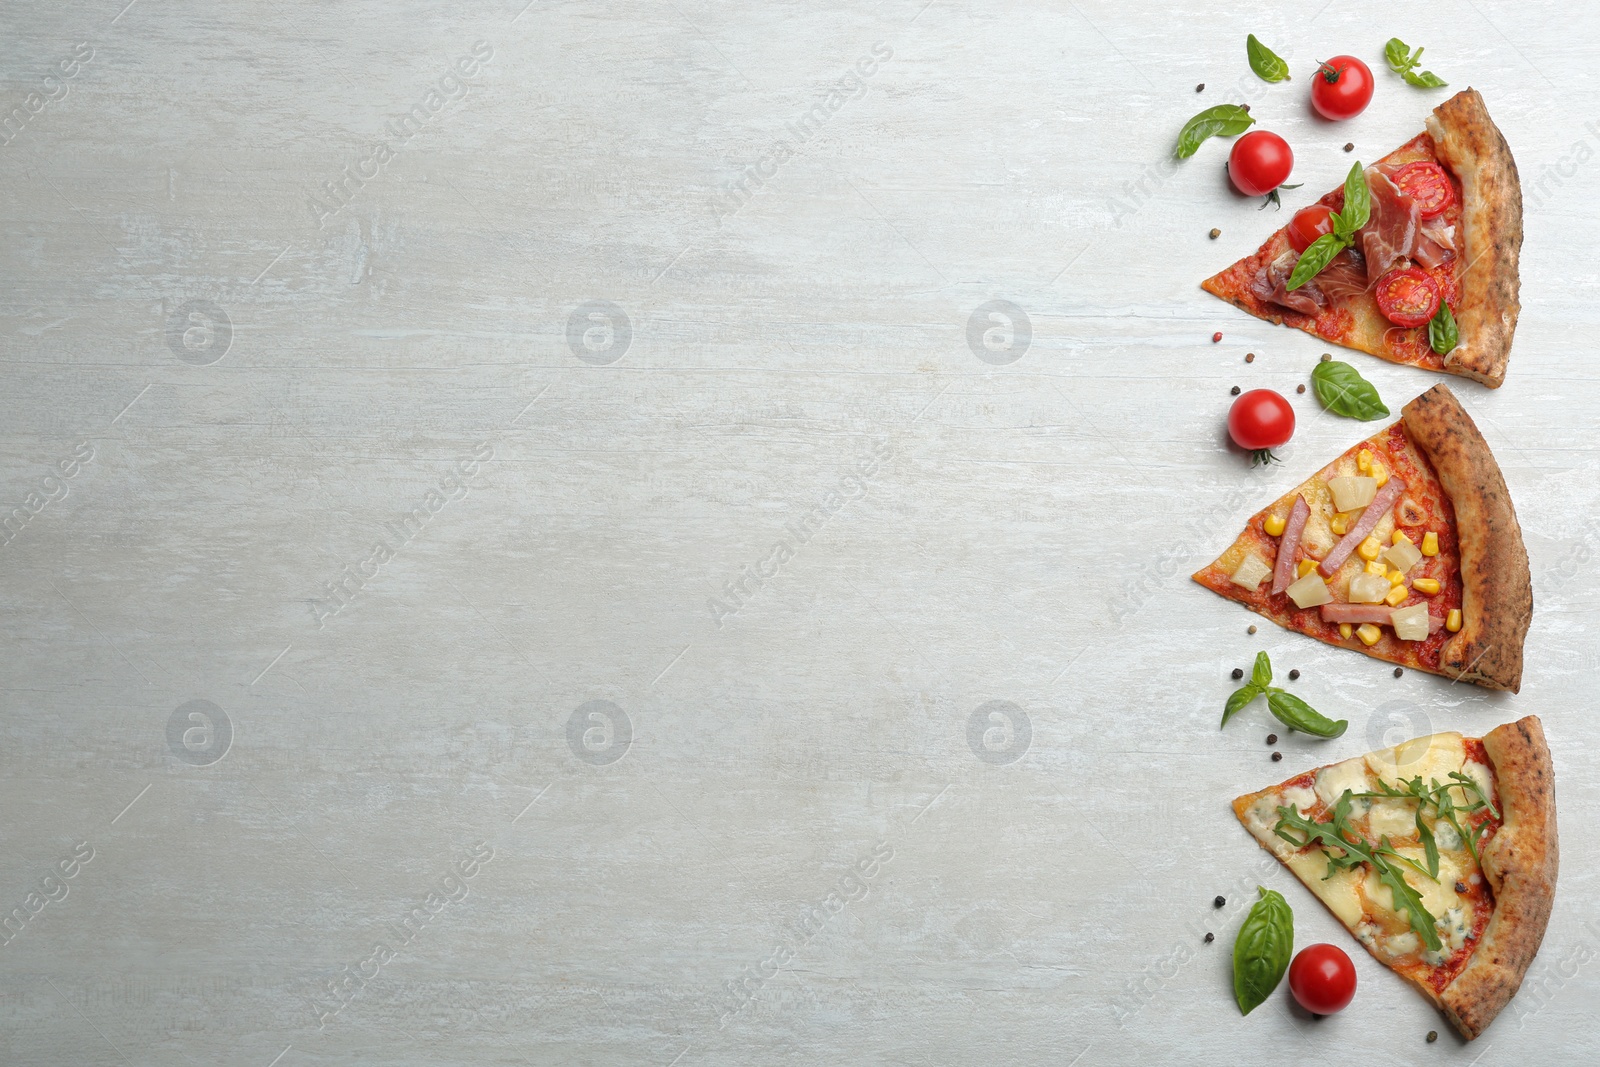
[1334, 780]
[1432, 757]
[1337, 892]
[1396, 818]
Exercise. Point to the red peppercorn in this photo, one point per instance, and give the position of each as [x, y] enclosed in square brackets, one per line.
[1216, 337]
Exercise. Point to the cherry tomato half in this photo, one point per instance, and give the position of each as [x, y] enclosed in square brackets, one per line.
[1260, 421]
[1407, 296]
[1341, 88]
[1428, 185]
[1322, 979]
[1259, 163]
[1308, 224]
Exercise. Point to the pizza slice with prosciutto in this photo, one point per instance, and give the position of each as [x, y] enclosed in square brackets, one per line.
[1406, 548]
[1430, 278]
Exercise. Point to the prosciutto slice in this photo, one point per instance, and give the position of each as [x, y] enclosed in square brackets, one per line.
[1346, 276]
[1272, 285]
[1377, 614]
[1365, 525]
[1435, 243]
[1392, 227]
[1283, 573]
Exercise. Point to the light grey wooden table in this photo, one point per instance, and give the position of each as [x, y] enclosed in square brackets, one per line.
[548, 490]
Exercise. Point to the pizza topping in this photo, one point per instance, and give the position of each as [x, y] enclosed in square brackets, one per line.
[1430, 544]
[1353, 491]
[1272, 285]
[1407, 296]
[1442, 333]
[1391, 230]
[1308, 224]
[1345, 277]
[1411, 624]
[1452, 621]
[1403, 555]
[1354, 613]
[1426, 183]
[1283, 573]
[1370, 517]
[1309, 591]
[1347, 224]
[1250, 572]
[1367, 588]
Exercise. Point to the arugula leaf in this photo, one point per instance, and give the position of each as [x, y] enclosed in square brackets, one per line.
[1442, 334]
[1403, 62]
[1261, 673]
[1343, 391]
[1298, 715]
[1240, 699]
[1430, 848]
[1267, 64]
[1262, 949]
[1224, 119]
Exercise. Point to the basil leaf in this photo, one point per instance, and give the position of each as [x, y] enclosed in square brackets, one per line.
[1267, 64]
[1426, 80]
[1261, 673]
[1398, 55]
[1224, 119]
[1298, 715]
[1261, 950]
[1239, 701]
[1317, 255]
[1442, 334]
[1357, 203]
[1343, 391]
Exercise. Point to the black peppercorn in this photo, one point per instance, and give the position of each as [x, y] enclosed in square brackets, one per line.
[1238, 672]
[1276, 756]
[1294, 674]
[1215, 233]
[1220, 901]
[1200, 88]
[1234, 391]
[1350, 146]
[1433, 1035]
[1250, 630]
[1210, 938]
[1398, 671]
[1300, 388]
[1272, 739]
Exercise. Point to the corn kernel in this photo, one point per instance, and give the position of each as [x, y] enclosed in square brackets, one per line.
[1452, 621]
[1274, 525]
[1345, 629]
[1305, 567]
[1399, 538]
[1396, 577]
[1380, 474]
[1426, 586]
[1339, 524]
[1364, 461]
[1430, 544]
[1369, 549]
[1397, 596]
[1369, 634]
[1377, 566]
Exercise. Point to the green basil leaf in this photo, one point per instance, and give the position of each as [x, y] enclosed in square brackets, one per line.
[1262, 949]
[1357, 203]
[1398, 55]
[1343, 391]
[1298, 715]
[1224, 119]
[1426, 80]
[1261, 673]
[1239, 700]
[1317, 255]
[1442, 334]
[1267, 64]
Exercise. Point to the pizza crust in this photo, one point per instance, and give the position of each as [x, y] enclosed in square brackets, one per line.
[1497, 588]
[1520, 863]
[1468, 142]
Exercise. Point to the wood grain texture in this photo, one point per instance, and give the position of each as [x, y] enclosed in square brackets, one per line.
[891, 801]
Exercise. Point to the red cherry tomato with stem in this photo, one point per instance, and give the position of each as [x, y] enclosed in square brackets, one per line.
[1260, 421]
[1407, 296]
[1308, 224]
[1259, 163]
[1428, 185]
[1341, 88]
[1322, 979]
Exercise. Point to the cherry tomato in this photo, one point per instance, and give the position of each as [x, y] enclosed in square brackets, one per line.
[1428, 185]
[1407, 296]
[1260, 421]
[1322, 979]
[1259, 163]
[1341, 88]
[1308, 224]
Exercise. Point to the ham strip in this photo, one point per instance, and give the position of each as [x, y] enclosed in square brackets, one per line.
[1272, 285]
[1377, 614]
[1369, 520]
[1283, 573]
[1392, 226]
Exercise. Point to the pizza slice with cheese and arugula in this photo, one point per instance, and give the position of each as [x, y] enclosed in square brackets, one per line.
[1439, 855]
[1414, 260]
[1406, 548]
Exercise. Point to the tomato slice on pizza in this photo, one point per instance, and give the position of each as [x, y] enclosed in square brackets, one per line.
[1439, 855]
[1444, 227]
[1406, 548]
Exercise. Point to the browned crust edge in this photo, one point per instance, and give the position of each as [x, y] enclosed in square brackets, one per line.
[1468, 142]
[1497, 588]
[1521, 864]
